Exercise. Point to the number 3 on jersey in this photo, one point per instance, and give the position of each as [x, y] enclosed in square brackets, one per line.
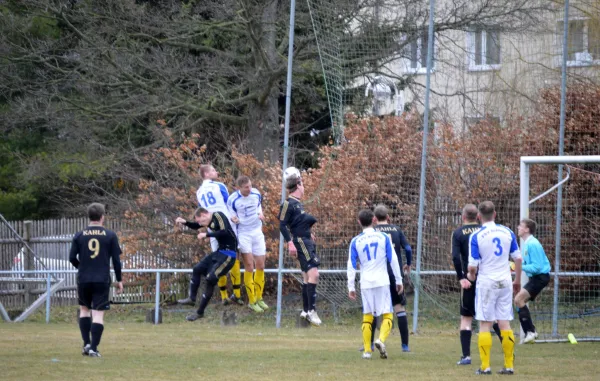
[366, 250]
[94, 246]
[209, 199]
[499, 251]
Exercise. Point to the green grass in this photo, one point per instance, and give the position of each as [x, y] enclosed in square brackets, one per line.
[255, 350]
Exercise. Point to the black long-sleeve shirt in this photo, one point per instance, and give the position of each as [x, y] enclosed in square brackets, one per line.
[294, 221]
[398, 240]
[460, 248]
[220, 229]
[91, 252]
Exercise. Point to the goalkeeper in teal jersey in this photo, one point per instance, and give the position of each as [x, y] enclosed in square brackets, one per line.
[537, 268]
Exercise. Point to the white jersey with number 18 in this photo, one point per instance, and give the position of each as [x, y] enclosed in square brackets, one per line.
[213, 195]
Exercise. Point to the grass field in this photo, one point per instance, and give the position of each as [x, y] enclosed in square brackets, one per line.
[254, 350]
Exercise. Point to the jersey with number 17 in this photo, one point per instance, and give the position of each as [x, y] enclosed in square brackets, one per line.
[213, 195]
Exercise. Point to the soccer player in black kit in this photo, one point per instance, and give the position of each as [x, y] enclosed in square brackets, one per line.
[91, 252]
[295, 225]
[460, 258]
[400, 243]
[214, 265]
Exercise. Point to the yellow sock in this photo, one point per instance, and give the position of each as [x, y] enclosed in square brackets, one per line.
[386, 327]
[508, 346]
[259, 283]
[223, 287]
[236, 278]
[485, 347]
[367, 326]
[249, 283]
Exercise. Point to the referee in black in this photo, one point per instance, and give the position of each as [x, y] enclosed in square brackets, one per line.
[460, 258]
[91, 252]
[214, 265]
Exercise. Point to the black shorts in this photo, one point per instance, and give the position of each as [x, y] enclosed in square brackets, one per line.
[215, 265]
[396, 298]
[94, 296]
[467, 301]
[307, 254]
[536, 284]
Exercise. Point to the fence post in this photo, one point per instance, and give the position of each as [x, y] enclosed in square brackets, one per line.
[48, 298]
[157, 300]
[28, 258]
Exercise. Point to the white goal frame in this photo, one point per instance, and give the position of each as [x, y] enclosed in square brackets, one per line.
[524, 202]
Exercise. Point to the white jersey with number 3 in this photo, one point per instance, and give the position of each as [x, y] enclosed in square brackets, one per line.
[490, 248]
[247, 209]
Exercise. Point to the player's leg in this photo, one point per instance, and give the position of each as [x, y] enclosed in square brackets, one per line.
[249, 278]
[236, 281]
[400, 311]
[221, 265]
[100, 304]
[259, 249]
[309, 261]
[304, 313]
[530, 291]
[368, 305]
[201, 268]
[485, 309]
[85, 315]
[504, 314]
[383, 303]
[214, 245]
[467, 311]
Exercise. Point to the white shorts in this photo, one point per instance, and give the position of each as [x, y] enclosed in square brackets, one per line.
[252, 242]
[377, 301]
[494, 301]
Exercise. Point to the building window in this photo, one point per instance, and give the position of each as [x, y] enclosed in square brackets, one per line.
[417, 55]
[483, 50]
[583, 44]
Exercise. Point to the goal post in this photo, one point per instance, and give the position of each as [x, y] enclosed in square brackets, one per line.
[590, 310]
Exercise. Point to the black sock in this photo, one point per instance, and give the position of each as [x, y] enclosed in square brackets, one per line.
[304, 297]
[465, 342]
[496, 328]
[208, 293]
[373, 329]
[195, 285]
[525, 319]
[311, 290]
[403, 326]
[97, 330]
[85, 325]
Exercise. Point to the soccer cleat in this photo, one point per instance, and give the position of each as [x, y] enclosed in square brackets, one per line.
[261, 303]
[225, 302]
[86, 350]
[194, 316]
[381, 348]
[506, 371]
[303, 315]
[530, 338]
[93, 353]
[464, 360]
[362, 348]
[234, 299]
[405, 348]
[313, 318]
[187, 301]
[488, 371]
[254, 307]
[366, 355]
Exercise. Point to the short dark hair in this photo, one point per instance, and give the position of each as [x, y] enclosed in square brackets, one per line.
[469, 212]
[204, 168]
[95, 211]
[200, 211]
[292, 182]
[365, 217]
[381, 212]
[242, 180]
[486, 210]
[531, 225]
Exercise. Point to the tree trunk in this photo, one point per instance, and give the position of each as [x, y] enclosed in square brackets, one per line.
[263, 117]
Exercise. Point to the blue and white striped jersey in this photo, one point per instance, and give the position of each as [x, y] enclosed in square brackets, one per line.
[246, 209]
[373, 251]
[213, 195]
[489, 248]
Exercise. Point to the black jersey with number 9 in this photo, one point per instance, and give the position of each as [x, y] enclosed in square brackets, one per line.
[91, 251]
